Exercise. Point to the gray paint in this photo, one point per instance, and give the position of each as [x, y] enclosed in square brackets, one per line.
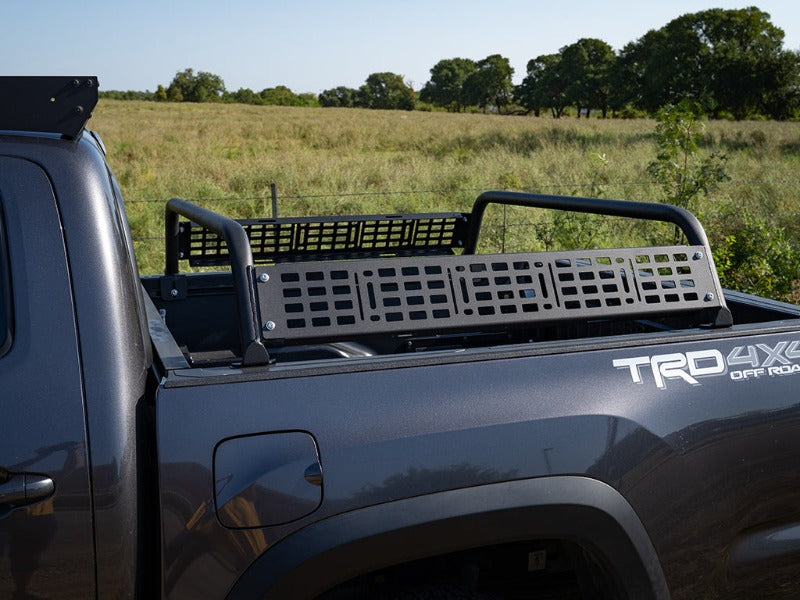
[398, 433]
[41, 398]
[108, 310]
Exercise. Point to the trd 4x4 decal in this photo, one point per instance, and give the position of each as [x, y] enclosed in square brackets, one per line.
[741, 363]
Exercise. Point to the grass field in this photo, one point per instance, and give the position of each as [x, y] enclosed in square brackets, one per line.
[334, 161]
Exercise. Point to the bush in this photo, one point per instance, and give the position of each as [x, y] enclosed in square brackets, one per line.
[754, 256]
[682, 174]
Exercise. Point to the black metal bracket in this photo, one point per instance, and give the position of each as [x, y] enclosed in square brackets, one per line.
[173, 287]
[241, 261]
[47, 104]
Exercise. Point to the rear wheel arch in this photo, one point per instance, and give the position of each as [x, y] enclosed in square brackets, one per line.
[578, 509]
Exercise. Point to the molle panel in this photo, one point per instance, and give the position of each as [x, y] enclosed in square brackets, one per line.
[329, 238]
[266, 479]
[343, 299]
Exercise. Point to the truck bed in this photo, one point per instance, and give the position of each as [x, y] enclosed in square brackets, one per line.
[641, 448]
[318, 288]
[201, 330]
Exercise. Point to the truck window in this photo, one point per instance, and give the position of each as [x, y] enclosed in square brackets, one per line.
[5, 291]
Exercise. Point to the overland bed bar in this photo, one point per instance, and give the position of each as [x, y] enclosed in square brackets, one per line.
[341, 279]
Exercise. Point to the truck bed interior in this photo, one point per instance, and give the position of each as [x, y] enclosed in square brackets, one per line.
[321, 288]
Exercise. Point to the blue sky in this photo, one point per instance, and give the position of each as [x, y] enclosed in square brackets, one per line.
[310, 46]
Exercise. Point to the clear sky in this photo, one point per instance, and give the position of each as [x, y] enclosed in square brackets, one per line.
[310, 46]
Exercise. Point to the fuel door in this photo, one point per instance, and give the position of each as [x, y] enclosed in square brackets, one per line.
[266, 479]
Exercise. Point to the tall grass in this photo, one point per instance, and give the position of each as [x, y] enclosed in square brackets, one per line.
[428, 161]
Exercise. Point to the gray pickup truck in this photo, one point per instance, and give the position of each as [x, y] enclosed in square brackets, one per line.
[367, 407]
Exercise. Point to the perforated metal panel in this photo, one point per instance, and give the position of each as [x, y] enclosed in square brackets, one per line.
[276, 240]
[343, 299]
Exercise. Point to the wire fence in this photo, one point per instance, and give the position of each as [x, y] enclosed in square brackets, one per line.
[537, 188]
[288, 199]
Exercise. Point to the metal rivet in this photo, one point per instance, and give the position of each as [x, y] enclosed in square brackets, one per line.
[269, 325]
[173, 292]
[75, 82]
[709, 297]
[78, 109]
[180, 254]
[264, 278]
[697, 255]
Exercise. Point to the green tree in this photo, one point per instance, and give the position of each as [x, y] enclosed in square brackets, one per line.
[746, 58]
[127, 95]
[782, 100]
[307, 99]
[625, 79]
[341, 96]
[587, 65]
[666, 66]
[446, 86]
[490, 84]
[174, 94]
[188, 86]
[386, 91]
[279, 96]
[545, 86]
[244, 96]
[726, 60]
[161, 93]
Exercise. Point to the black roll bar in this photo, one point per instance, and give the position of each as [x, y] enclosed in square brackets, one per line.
[686, 221]
[241, 259]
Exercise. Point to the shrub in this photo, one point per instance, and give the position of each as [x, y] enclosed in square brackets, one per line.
[683, 175]
[754, 256]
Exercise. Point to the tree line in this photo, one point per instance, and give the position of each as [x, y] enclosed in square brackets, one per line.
[728, 63]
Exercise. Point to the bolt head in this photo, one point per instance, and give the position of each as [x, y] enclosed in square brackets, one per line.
[269, 325]
[709, 297]
[173, 292]
[263, 278]
[697, 255]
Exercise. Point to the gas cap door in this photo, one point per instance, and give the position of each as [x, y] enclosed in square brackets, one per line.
[267, 479]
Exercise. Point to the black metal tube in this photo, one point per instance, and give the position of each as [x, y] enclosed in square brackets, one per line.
[668, 213]
[171, 235]
[241, 259]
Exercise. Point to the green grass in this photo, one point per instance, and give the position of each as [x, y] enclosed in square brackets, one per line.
[390, 161]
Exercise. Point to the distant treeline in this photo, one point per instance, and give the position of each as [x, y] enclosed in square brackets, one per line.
[729, 63]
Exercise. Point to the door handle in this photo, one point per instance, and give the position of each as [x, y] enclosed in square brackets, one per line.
[19, 489]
